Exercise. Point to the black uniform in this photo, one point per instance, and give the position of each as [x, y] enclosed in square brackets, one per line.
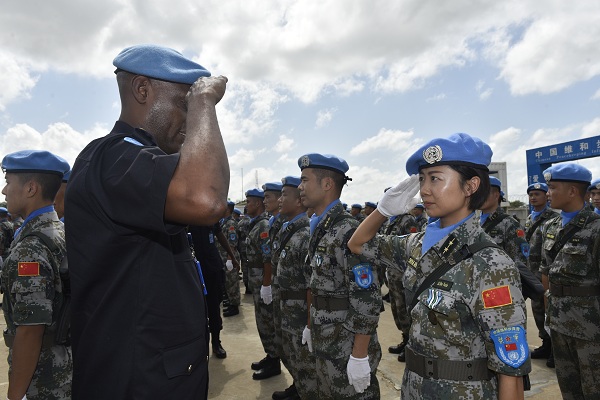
[139, 324]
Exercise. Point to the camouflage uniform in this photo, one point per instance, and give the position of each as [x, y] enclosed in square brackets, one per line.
[533, 263]
[258, 252]
[6, 235]
[34, 297]
[451, 322]
[243, 225]
[293, 276]
[229, 227]
[340, 309]
[401, 225]
[421, 222]
[508, 234]
[275, 224]
[574, 317]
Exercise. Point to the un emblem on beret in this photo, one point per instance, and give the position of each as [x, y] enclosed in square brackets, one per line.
[597, 185]
[432, 154]
[547, 176]
[537, 186]
[305, 161]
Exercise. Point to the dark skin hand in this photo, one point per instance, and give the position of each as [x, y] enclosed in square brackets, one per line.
[223, 242]
[25, 355]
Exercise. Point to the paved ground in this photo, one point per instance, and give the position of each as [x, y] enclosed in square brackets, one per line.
[231, 378]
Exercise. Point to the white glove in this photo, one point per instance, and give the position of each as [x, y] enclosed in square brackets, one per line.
[306, 339]
[266, 295]
[401, 198]
[229, 265]
[359, 373]
[546, 327]
[24, 397]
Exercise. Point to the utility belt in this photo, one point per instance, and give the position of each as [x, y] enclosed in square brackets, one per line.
[330, 303]
[47, 341]
[292, 294]
[433, 368]
[579, 291]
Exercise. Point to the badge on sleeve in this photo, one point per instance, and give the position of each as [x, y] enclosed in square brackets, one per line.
[496, 297]
[511, 345]
[29, 269]
[363, 275]
[232, 237]
[520, 233]
[266, 249]
[525, 249]
[264, 235]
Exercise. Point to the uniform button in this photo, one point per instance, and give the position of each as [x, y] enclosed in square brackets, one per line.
[468, 365]
[429, 362]
[190, 368]
[431, 374]
[470, 377]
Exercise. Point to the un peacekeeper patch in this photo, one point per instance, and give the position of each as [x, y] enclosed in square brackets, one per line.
[496, 297]
[29, 269]
[511, 345]
[232, 237]
[525, 249]
[363, 275]
[264, 235]
[266, 249]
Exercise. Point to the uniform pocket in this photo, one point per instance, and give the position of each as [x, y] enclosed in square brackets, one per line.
[442, 319]
[185, 358]
[575, 257]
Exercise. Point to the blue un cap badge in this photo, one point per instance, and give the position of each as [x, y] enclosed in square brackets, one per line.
[548, 176]
[432, 154]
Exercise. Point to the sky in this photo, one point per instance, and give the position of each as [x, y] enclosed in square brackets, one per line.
[368, 81]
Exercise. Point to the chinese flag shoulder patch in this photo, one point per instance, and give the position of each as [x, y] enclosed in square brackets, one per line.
[29, 269]
[264, 235]
[413, 229]
[520, 233]
[496, 297]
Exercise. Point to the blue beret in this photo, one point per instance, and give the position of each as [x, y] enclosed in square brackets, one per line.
[458, 149]
[230, 203]
[3, 210]
[421, 206]
[537, 186]
[568, 172]
[359, 206]
[40, 161]
[237, 211]
[292, 181]
[255, 193]
[160, 63]
[66, 176]
[324, 161]
[495, 182]
[272, 186]
[370, 204]
[595, 185]
[345, 205]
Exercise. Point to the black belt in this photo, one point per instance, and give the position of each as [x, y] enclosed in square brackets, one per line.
[433, 368]
[330, 303]
[292, 294]
[579, 291]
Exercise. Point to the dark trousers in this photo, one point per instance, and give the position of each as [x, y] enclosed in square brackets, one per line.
[213, 279]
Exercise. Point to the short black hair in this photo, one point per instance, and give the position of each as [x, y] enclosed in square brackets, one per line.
[339, 180]
[478, 198]
[50, 183]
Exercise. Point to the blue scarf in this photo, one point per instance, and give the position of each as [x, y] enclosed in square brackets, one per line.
[434, 233]
[315, 219]
[483, 218]
[568, 216]
[296, 218]
[34, 214]
[272, 220]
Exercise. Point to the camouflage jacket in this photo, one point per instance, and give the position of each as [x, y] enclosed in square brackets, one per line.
[338, 274]
[535, 238]
[6, 236]
[293, 274]
[421, 222]
[229, 227]
[243, 225]
[274, 238]
[33, 296]
[576, 264]
[258, 247]
[508, 234]
[451, 320]
[401, 225]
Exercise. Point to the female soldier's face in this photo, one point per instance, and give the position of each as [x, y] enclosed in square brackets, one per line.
[443, 194]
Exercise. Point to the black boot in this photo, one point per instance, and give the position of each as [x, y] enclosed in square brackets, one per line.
[287, 394]
[231, 311]
[386, 297]
[543, 351]
[258, 365]
[271, 368]
[217, 349]
[399, 347]
[550, 361]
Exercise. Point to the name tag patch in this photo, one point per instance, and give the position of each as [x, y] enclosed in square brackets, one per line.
[443, 285]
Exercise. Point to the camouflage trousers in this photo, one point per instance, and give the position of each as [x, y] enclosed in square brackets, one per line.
[539, 313]
[52, 380]
[332, 381]
[232, 287]
[415, 387]
[397, 300]
[301, 364]
[277, 324]
[263, 313]
[577, 365]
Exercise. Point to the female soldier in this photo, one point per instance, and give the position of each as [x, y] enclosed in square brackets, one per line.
[467, 338]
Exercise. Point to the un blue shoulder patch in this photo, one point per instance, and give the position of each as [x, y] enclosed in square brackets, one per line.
[525, 249]
[363, 275]
[132, 140]
[511, 345]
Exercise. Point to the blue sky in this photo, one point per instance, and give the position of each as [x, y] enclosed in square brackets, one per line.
[367, 81]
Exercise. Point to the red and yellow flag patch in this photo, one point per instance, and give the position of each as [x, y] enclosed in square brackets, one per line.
[264, 235]
[496, 297]
[413, 229]
[29, 269]
[520, 233]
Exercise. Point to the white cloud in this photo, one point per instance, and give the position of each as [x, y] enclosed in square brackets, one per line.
[16, 80]
[284, 144]
[437, 97]
[387, 139]
[596, 95]
[324, 117]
